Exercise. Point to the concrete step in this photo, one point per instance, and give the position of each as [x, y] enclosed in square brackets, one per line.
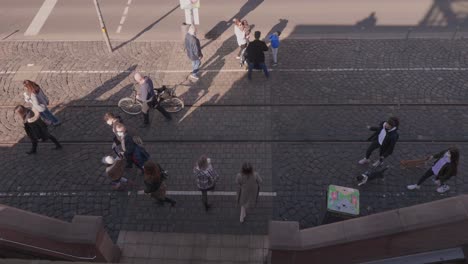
[159, 248]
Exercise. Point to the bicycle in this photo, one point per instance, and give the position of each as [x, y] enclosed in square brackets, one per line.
[164, 96]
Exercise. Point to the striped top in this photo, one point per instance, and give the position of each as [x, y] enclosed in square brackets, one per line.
[206, 179]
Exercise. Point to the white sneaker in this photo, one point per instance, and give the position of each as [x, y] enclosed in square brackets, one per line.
[364, 161]
[377, 163]
[443, 188]
[413, 186]
[193, 76]
[364, 179]
[238, 57]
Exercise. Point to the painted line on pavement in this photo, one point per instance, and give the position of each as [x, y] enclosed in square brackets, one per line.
[124, 17]
[129, 193]
[240, 70]
[40, 18]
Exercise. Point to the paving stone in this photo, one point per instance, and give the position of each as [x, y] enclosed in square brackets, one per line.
[303, 129]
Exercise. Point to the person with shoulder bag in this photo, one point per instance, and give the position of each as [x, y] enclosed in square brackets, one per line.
[133, 152]
[155, 186]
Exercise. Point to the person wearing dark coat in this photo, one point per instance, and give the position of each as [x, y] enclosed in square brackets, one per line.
[34, 127]
[444, 167]
[155, 183]
[255, 55]
[133, 152]
[384, 138]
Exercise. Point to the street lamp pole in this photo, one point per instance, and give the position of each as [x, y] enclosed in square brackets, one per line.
[103, 26]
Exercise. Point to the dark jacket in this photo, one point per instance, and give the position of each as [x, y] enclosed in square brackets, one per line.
[134, 152]
[192, 46]
[386, 149]
[34, 127]
[448, 170]
[255, 51]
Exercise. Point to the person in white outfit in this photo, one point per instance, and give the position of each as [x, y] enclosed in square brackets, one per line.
[240, 36]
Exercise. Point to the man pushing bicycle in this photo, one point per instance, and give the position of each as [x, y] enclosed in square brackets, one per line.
[147, 96]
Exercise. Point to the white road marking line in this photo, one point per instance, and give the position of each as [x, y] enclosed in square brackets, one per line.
[129, 193]
[124, 17]
[40, 18]
[122, 20]
[240, 70]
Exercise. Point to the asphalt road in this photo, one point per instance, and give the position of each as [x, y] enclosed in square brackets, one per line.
[161, 20]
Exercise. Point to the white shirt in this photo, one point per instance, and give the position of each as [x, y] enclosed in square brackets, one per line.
[240, 35]
[383, 133]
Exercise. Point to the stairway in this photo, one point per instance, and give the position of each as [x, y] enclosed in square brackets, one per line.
[193, 248]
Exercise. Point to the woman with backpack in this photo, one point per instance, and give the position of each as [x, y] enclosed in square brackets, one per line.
[154, 179]
[39, 101]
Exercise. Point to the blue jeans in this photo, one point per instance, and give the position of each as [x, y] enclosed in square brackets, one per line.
[49, 116]
[195, 66]
[258, 65]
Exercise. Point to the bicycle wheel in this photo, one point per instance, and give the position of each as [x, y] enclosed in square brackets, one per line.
[129, 106]
[173, 105]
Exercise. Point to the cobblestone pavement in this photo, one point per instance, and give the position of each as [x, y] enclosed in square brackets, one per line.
[303, 129]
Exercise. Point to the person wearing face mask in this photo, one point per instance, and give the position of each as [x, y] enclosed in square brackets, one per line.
[133, 152]
[384, 139]
[444, 167]
[112, 120]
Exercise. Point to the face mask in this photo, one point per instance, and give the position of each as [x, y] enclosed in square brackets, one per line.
[120, 133]
[109, 122]
[447, 155]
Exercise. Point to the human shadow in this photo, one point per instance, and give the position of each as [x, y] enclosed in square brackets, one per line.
[441, 12]
[222, 26]
[367, 23]
[146, 29]
[200, 89]
[280, 26]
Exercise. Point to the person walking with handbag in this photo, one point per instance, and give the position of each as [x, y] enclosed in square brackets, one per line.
[34, 127]
[444, 167]
[39, 101]
[155, 185]
[115, 171]
[249, 183]
[206, 178]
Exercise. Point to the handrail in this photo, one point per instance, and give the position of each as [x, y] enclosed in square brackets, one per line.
[49, 250]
